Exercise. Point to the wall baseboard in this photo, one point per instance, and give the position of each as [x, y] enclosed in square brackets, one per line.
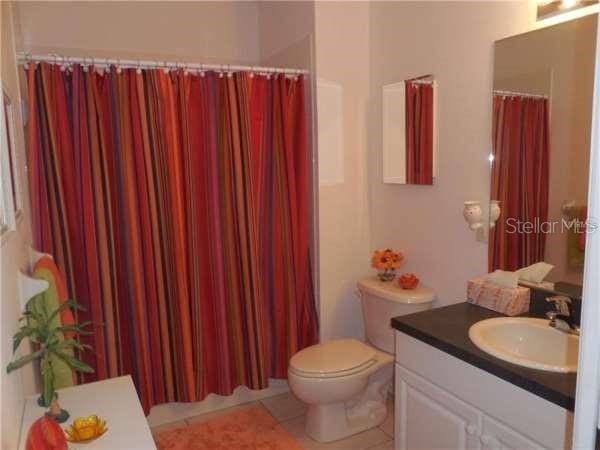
[173, 412]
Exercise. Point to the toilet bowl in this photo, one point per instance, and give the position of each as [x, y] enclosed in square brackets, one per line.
[345, 382]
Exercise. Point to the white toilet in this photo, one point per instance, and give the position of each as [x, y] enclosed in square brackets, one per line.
[345, 382]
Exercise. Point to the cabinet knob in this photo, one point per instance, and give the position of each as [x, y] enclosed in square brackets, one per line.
[490, 442]
[471, 429]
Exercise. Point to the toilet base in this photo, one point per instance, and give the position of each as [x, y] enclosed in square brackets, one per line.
[339, 425]
[334, 421]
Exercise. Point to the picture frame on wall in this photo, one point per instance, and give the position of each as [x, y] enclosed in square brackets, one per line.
[10, 195]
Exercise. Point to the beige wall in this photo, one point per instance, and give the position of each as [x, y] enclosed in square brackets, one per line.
[454, 42]
[342, 56]
[217, 32]
[286, 33]
[563, 56]
[13, 256]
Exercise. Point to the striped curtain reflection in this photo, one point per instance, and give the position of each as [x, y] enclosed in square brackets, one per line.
[177, 206]
[419, 132]
[519, 181]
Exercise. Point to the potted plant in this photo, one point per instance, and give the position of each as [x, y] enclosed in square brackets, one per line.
[52, 341]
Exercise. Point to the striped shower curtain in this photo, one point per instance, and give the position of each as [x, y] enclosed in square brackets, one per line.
[519, 181]
[178, 207]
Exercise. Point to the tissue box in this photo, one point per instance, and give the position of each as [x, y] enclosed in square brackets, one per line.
[509, 301]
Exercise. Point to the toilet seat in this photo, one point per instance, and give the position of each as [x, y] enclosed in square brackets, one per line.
[332, 359]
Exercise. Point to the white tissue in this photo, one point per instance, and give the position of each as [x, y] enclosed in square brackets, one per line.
[503, 278]
[545, 285]
[535, 273]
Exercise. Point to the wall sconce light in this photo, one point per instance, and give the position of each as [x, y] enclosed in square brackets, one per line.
[473, 214]
[494, 212]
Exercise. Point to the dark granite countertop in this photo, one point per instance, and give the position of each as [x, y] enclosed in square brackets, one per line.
[447, 329]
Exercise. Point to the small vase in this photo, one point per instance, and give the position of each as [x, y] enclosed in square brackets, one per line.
[387, 275]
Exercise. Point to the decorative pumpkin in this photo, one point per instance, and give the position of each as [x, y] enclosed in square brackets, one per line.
[408, 281]
[46, 434]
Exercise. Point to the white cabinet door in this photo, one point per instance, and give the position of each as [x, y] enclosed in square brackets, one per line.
[429, 418]
[497, 436]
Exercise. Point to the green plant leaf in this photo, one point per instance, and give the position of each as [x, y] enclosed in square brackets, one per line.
[24, 332]
[73, 362]
[47, 381]
[23, 360]
[71, 304]
[71, 343]
[73, 329]
[31, 313]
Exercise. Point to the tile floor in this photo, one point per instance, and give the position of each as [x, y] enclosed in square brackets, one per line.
[290, 414]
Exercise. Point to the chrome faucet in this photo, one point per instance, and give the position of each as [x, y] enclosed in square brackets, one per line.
[561, 318]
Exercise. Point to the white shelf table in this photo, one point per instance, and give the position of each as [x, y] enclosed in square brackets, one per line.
[114, 400]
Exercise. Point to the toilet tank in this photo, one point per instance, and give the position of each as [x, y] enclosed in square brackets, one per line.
[382, 300]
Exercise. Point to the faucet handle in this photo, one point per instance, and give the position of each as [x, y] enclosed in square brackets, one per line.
[561, 304]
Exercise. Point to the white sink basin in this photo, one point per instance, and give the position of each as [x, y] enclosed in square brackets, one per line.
[527, 342]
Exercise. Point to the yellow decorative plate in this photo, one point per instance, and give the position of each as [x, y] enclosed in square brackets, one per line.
[85, 429]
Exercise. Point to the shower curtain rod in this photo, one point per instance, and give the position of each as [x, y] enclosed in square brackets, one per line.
[517, 94]
[66, 61]
[420, 81]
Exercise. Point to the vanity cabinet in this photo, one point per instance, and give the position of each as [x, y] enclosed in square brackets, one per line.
[496, 436]
[445, 403]
[451, 423]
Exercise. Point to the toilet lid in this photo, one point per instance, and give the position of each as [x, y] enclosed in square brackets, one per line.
[338, 357]
[393, 292]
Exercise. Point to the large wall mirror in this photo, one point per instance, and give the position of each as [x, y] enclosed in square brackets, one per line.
[541, 131]
[409, 137]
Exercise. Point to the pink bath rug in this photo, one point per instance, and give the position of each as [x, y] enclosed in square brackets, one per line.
[248, 429]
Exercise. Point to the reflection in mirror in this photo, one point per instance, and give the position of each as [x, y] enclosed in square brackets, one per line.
[542, 107]
[551, 8]
[408, 131]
